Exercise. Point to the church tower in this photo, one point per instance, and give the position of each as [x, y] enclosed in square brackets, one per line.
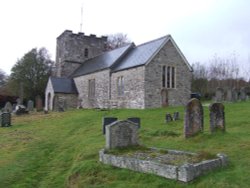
[73, 49]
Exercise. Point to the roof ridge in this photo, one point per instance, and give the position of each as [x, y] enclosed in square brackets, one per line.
[154, 40]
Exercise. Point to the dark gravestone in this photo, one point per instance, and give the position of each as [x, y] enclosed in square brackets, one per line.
[121, 134]
[168, 118]
[219, 94]
[193, 122]
[39, 103]
[30, 106]
[106, 121]
[217, 117]
[8, 107]
[136, 120]
[5, 119]
[176, 116]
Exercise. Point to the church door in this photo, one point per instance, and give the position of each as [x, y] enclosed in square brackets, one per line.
[164, 97]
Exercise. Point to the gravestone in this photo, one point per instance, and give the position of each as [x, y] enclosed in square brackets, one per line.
[39, 103]
[121, 134]
[168, 117]
[135, 120]
[19, 101]
[219, 94]
[106, 121]
[229, 96]
[8, 107]
[234, 95]
[193, 122]
[176, 116]
[243, 94]
[5, 119]
[217, 117]
[30, 106]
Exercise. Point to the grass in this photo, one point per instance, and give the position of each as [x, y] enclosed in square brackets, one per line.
[61, 149]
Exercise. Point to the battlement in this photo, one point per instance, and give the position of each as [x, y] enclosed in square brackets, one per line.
[69, 33]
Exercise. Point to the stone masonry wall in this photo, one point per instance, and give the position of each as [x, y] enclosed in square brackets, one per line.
[71, 47]
[133, 88]
[168, 56]
[70, 100]
[101, 89]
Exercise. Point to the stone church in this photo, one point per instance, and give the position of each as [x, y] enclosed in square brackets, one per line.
[151, 75]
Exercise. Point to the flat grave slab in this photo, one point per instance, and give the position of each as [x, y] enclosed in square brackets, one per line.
[171, 164]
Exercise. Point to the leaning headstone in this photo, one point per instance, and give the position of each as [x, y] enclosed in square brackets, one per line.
[121, 134]
[39, 103]
[219, 94]
[243, 95]
[176, 116]
[217, 117]
[234, 95]
[8, 107]
[193, 122]
[106, 121]
[229, 96]
[30, 106]
[5, 119]
[168, 117]
[136, 120]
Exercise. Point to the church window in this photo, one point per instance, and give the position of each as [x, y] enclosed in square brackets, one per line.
[91, 88]
[86, 53]
[168, 77]
[120, 86]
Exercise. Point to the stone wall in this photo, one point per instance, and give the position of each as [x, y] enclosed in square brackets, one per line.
[102, 87]
[70, 100]
[71, 47]
[133, 96]
[179, 95]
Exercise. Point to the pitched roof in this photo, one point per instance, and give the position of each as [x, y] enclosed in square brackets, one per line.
[63, 85]
[103, 61]
[141, 54]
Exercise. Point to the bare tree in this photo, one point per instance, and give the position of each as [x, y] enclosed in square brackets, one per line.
[117, 40]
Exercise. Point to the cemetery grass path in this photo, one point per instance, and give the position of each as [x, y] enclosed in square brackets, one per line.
[61, 149]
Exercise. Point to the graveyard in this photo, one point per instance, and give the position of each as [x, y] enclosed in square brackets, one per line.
[61, 149]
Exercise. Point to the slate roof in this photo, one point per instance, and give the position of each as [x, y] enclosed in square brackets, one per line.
[126, 57]
[63, 85]
[103, 61]
[141, 54]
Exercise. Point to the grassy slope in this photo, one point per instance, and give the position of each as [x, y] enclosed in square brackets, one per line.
[61, 149]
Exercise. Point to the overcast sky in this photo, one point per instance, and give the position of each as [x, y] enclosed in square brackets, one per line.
[201, 28]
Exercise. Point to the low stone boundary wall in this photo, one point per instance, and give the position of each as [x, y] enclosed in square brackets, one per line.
[185, 172]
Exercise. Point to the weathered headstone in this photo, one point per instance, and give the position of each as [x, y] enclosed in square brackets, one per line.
[219, 94]
[234, 95]
[8, 107]
[229, 96]
[243, 95]
[168, 117]
[121, 134]
[19, 101]
[135, 120]
[176, 116]
[30, 106]
[5, 119]
[193, 122]
[217, 117]
[106, 121]
[39, 103]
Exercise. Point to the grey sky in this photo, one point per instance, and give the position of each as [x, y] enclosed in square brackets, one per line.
[200, 28]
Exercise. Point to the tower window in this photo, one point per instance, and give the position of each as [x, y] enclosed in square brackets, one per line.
[86, 53]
